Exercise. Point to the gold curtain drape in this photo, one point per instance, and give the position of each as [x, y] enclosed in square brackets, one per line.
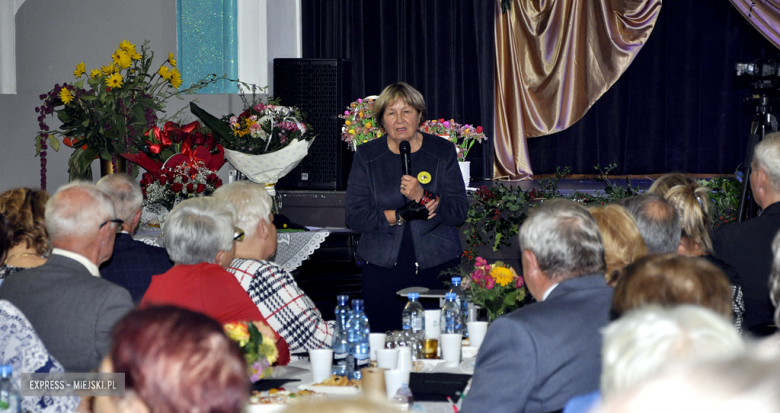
[554, 59]
[764, 15]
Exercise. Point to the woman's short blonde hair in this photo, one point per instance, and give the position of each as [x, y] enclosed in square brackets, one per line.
[25, 208]
[623, 244]
[392, 93]
[692, 201]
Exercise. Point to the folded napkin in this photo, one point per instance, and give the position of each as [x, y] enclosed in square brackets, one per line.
[436, 387]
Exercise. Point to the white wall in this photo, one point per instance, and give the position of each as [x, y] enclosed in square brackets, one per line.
[53, 36]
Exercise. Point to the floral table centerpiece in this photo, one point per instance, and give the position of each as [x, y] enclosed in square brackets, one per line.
[265, 141]
[256, 341]
[495, 287]
[112, 114]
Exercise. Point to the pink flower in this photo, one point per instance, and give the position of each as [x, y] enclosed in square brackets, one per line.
[360, 100]
[259, 107]
[233, 120]
[519, 282]
[487, 268]
[480, 262]
[490, 283]
[466, 283]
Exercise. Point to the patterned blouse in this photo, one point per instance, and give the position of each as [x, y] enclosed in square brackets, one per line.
[6, 270]
[21, 348]
[288, 310]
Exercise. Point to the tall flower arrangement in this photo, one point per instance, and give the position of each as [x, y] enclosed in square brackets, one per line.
[359, 124]
[112, 112]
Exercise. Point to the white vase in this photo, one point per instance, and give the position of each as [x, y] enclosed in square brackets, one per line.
[465, 170]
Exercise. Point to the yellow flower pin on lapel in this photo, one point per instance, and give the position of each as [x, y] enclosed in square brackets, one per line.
[424, 177]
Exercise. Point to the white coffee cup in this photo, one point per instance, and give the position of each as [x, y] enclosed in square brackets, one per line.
[394, 379]
[451, 345]
[387, 358]
[404, 359]
[376, 341]
[477, 331]
[432, 320]
[321, 364]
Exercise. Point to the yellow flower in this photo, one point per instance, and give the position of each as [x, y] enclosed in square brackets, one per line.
[502, 275]
[164, 73]
[66, 96]
[368, 124]
[122, 59]
[127, 46]
[95, 73]
[175, 78]
[347, 123]
[237, 332]
[351, 131]
[80, 70]
[268, 349]
[115, 80]
[171, 60]
[107, 70]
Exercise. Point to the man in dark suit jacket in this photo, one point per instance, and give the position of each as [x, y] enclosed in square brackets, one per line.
[747, 246]
[72, 309]
[133, 263]
[535, 359]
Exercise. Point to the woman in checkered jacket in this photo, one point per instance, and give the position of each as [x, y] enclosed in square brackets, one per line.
[288, 310]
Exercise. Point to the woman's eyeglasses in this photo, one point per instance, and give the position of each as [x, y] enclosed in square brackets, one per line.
[238, 235]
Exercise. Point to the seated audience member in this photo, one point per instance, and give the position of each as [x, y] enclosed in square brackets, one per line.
[133, 263]
[71, 308]
[774, 292]
[623, 244]
[693, 204]
[657, 221]
[175, 361]
[289, 311]
[747, 382]
[747, 246]
[535, 359]
[646, 340]
[24, 208]
[6, 235]
[200, 238]
[670, 280]
[21, 348]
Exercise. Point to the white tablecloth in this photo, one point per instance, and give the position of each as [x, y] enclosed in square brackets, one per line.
[293, 248]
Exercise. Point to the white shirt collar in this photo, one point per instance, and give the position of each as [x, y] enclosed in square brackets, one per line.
[91, 267]
[549, 290]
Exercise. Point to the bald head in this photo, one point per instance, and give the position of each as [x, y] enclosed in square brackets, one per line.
[76, 211]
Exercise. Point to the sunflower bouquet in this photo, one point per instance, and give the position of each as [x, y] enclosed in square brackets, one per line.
[107, 110]
[256, 341]
[495, 287]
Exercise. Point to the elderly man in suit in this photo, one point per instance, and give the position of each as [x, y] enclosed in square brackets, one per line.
[133, 263]
[536, 358]
[657, 220]
[72, 309]
[747, 246]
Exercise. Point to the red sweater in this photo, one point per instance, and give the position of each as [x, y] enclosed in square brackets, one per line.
[210, 290]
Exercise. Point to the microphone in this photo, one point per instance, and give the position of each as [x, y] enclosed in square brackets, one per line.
[406, 160]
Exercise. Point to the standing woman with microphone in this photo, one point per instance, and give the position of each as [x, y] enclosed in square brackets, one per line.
[406, 195]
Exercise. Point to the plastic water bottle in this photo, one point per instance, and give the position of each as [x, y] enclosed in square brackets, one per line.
[451, 321]
[10, 397]
[413, 317]
[339, 344]
[461, 302]
[357, 337]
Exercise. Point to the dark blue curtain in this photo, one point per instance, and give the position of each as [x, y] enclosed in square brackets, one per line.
[443, 48]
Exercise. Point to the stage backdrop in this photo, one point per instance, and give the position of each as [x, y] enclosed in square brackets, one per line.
[444, 49]
[678, 107]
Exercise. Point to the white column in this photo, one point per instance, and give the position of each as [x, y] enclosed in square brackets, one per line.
[253, 42]
[8, 9]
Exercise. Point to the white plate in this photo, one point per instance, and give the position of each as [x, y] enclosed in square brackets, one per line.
[349, 390]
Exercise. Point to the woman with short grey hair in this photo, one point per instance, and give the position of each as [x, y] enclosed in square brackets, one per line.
[200, 237]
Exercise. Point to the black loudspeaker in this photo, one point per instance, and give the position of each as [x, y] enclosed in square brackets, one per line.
[322, 89]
